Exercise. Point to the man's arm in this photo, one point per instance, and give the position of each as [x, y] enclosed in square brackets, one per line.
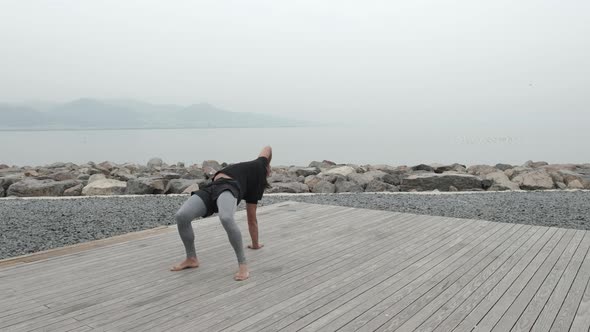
[253, 226]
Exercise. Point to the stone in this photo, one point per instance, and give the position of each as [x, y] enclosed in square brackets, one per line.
[107, 165]
[299, 171]
[89, 170]
[450, 168]
[513, 172]
[342, 170]
[423, 167]
[561, 185]
[442, 182]
[83, 177]
[96, 177]
[56, 165]
[501, 182]
[169, 175]
[64, 175]
[393, 179]
[533, 164]
[180, 164]
[289, 187]
[534, 180]
[311, 181]
[7, 181]
[178, 186]
[32, 173]
[122, 174]
[209, 171]
[191, 188]
[575, 184]
[146, 186]
[348, 186]
[194, 172]
[105, 187]
[155, 163]
[35, 188]
[453, 188]
[481, 170]
[503, 167]
[365, 178]
[4, 166]
[74, 191]
[212, 164]
[380, 186]
[582, 177]
[324, 187]
[279, 177]
[322, 164]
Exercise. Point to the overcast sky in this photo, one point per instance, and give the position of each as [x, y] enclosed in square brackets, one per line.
[323, 59]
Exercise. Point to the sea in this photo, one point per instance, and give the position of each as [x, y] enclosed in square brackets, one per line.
[373, 144]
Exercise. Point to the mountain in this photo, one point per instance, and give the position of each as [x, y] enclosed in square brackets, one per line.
[87, 113]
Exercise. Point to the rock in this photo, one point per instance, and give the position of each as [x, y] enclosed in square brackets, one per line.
[32, 173]
[513, 172]
[7, 181]
[209, 171]
[289, 187]
[155, 163]
[105, 187]
[4, 166]
[481, 170]
[486, 184]
[169, 175]
[322, 165]
[582, 177]
[107, 165]
[575, 184]
[96, 177]
[63, 175]
[324, 187]
[532, 164]
[194, 172]
[347, 186]
[393, 179]
[561, 185]
[307, 171]
[453, 188]
[501, 182]
[178, 186]
[364, 178]
[311, 181]
[90, 171]
[423, 167]
[34, 188]
[122, 174]
[278, 177]
[503, 167]
[191, 188]
[83, 177]
[146, 186]
[180, 164]
[379, 186]
[212, 164]
[450, 168]
[534, 180]
[442, 182]
[560, 167]
[74, 191]
[56, 165]
[342, 170]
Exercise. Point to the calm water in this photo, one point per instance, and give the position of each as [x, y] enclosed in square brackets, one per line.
[296, 146]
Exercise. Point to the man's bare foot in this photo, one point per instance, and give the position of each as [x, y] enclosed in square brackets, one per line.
[186, 264]
[251, 246]
[243, 273]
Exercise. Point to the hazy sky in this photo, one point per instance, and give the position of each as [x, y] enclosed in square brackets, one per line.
[323, 59]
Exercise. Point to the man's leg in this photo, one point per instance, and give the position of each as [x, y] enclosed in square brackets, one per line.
[193, 208]
[226, 204]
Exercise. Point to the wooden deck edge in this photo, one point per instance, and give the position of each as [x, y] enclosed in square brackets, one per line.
[75, 248]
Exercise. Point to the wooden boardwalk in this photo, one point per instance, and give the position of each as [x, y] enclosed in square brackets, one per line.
[324, 268]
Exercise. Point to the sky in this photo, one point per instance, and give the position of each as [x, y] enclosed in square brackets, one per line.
[361, 60]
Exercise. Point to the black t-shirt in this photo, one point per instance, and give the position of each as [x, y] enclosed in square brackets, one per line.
[251, 177]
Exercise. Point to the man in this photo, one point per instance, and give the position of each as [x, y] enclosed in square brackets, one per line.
[245, 180]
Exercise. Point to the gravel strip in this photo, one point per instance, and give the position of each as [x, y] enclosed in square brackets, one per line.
[30, 225]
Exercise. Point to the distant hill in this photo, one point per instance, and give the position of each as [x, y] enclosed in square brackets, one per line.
[87, 113]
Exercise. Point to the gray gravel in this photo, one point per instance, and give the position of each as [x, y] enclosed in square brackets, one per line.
[30, 225]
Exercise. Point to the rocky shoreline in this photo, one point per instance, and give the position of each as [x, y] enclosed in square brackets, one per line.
[157, 177]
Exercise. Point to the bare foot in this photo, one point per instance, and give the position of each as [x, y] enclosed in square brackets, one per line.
[186, 264]
[243, 273]
[251, 246]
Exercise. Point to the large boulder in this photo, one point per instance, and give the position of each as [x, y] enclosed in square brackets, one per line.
[343, 186]
[481, 170]
[191, 188]
[63, 175]
[450, 168]
[500, 182]
[122, 174]
[576, 180]
[212, 164]
[324, 187]
[74, 191]
[7, 181]
[323, 164]
[281, 177]
[423, 167]
[155, 163]
[96, 177]
[503, 167]
[33, 187]
[2, 192]
[194, 172]
[146, 186]
[364, 178]
[289, 187]
[535, 164]
[379, 186]
[304, 171]
[107, 165]
[441, 182]
[178, 186]
[516, 171]
[169, 175]
[534, 180]
[105, 187]
[342, 170]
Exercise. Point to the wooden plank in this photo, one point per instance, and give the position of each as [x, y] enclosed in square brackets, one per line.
[539, 300]
[496, 301]
[456, 243]
[310, 274]
[479, 302]
[400, 308]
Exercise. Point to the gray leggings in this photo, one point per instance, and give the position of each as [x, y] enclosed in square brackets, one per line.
[194, 208]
